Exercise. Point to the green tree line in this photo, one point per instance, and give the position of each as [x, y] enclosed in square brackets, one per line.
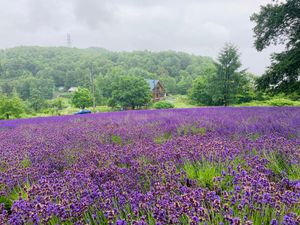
[24, 68]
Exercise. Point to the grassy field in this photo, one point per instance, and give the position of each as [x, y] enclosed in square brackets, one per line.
[179, 101]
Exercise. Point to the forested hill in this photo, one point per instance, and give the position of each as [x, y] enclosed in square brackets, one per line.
[42, 69]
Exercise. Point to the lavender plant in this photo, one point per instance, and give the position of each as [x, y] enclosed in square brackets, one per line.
[178, 166]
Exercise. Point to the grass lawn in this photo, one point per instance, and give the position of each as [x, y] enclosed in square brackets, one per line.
[180, 101]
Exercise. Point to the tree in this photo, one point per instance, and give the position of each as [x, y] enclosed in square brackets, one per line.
[225, 83]
[246, 88]
[129, 91]
[11, 107]
[7, 88]
[185, 83]
[82, 98]
[103, 89]
[27, 86]
[199, 91]
[36, 100]
[47, 68]
[169, 84]
[279, 23]
[57, 103]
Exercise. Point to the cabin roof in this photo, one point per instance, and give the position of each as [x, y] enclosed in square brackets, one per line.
[152, 83]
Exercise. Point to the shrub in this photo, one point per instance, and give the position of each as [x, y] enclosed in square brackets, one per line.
[281, 102]
[272, 102]
[163, 105]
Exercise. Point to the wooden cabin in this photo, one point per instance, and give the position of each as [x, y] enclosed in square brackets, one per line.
[158, 90]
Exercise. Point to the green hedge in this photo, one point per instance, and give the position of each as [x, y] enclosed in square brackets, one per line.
[163, 105]
[272, 102]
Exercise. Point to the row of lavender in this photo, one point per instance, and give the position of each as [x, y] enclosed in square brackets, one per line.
[191, 166]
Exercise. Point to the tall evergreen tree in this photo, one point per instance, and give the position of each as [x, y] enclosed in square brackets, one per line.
[226, 81]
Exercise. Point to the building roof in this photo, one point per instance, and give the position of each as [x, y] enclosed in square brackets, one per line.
[152, 83]
[72, 89]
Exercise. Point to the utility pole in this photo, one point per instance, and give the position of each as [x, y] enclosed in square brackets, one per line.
[92, 85]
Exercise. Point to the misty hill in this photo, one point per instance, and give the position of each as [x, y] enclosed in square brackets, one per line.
[51, 68]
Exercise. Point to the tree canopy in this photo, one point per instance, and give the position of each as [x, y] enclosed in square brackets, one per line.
[82, 98]
[25, 68]
[199, 93]
[130, 92]
[227, 78]
[10, 107]
[227, 85]
[279, 23]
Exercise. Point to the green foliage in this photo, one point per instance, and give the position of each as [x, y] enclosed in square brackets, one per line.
[199, 92]
[227, 85]
[103, 86]
[180, 101]
[278, 23]
[169, 83]
[68, 67]
[203, 171]
[7, 203]
[82, 98]
[130, 92]
[94, 218]
[3, 167]
[14, 195]
[281, 102]
[191, 129]
[55, 106]
[37, 73]
[11, 107]
[36, 101]
[224, 85]
[246, 90]
[163, 105]
[198, 130]
[55, 220]
[163, 138]
[184, 220]
[184, 83]
[26, 162]
[57, 103]
[282, 166]
[28, 86]
[116, 139]
[294, 96]
[276, 101]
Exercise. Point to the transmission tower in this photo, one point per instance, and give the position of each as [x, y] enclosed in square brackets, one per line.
[69, 40]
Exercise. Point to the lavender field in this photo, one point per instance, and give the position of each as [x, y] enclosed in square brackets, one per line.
[189, 166]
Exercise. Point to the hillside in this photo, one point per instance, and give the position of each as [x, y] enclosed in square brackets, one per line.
[42, 70]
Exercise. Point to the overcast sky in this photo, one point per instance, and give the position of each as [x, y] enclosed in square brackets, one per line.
[200, 27]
